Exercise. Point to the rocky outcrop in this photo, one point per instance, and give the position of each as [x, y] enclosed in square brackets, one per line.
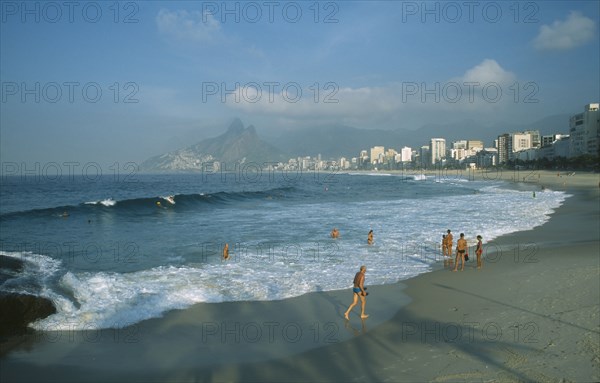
[18, 310]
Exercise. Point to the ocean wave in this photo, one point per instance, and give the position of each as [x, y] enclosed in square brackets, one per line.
[145, 204]
[105, 202]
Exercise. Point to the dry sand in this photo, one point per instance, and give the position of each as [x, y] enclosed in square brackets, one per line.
[531, 314]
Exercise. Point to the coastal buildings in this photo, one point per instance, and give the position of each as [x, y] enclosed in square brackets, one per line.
[518, 145]
[509, 147]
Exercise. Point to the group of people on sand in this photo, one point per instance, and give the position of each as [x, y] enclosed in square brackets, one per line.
[462, 254]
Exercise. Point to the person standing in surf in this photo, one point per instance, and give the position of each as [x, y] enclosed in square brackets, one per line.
[479, 251]
[359, 291]
[444, 246]
[449, 242]
[461, 249]
[226, 252]
[370, 237]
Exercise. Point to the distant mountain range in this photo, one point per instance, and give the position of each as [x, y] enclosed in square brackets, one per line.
[239, 145]
[338, 141]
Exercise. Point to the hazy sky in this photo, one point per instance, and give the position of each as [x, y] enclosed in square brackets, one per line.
[114, 82]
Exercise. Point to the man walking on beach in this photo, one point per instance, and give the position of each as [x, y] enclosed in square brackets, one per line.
[359, 291]
[461, 248]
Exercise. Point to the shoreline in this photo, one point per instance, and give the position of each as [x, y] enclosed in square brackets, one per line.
[408, 336]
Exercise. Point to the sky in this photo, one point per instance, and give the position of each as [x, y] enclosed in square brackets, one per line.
[118, 82]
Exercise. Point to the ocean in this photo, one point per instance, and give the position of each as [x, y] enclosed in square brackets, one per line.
[113, 251]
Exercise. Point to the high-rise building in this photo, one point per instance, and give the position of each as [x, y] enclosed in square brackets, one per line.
[377, 154]
[534, 137]
[474, 145]
[424, 158]
[504, 147]
[437, 150]
[521, 141]
[584, 129]
[406, 154]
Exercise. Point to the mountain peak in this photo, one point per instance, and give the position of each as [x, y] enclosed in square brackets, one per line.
[237, 145]
[237, 126]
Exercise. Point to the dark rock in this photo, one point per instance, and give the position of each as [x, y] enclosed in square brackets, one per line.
[9, 268]
[18, 310]
[10, 263]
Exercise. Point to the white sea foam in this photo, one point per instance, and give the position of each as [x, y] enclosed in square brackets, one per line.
[37, 270]
[170, 199]
[105, 202]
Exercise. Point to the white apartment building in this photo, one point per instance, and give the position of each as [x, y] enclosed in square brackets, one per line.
[521, 141]
[406, 154]
[584, 129]
[437, 150]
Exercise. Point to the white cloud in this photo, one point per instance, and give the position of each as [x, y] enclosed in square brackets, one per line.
[193, 26]
[575, 31]
[484, 89]
[489, 71]
[484, 86]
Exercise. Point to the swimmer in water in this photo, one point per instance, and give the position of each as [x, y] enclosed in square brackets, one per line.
[226, 252]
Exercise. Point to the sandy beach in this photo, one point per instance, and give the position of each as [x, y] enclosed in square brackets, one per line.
[532, 313]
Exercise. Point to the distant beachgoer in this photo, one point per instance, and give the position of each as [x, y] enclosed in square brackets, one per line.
[444, 248]
[359, 291]
[479, 251]
[370, 237]
[226, 252]
[335, 233]
[461, 249]
[449, 242]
